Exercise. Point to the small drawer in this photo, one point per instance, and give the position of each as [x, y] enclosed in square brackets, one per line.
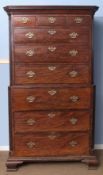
[42, 98]
[51, 20]
[71, 35]
[51, 144]
[22, 21]
[79, 20]
[53, 53]
[51, 121]
[51, 73]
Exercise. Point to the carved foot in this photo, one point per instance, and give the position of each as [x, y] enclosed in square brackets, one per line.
[12, 165]
[92, 163]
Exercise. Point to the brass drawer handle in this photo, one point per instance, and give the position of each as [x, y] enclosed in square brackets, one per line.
[73, 120]
[51, 32]
[30, 99]
[29, 53]
[51, 48]
[73, 53]
[73, 74]
[51, 115]
[52, 92]
[52, 136]
[31, 144]
[78, 20]
[24, 20]
[74, 98]
[51, 20]
[73, 35]
[29, 35]
[51, 68]
[73, 143]
[30, 122]
[30, 74]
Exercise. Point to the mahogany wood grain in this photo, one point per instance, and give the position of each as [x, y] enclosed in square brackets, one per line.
[24, 21]
[51, 114]
[42, 54]
[81, 35]
[43, 100]
[44, 146]
[63, 20]
[52, 73]
[51, 121]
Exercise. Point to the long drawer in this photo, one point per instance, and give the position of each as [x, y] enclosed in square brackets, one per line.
[69, 53]
[51, 144]
[51, 73]
[51, 121]
[37, 98]
[71, 35]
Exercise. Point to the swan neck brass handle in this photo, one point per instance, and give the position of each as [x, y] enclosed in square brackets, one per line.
[24, 20]
[30, 74]
[30, 122]
[51, 32]
[73, 120]
[74, 98]
[73, 53]
[73, 74]
[30, 99]
[29, 53]
[73, 143]
[52, 92]
[73, 35]
[51, 115]
[51, 68]
[51, 19]
[51, 48]
[31, 144]
[29, 35]
[78, 20]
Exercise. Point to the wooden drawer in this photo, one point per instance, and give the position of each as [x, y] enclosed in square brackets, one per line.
[51, 20]
[52, 53]
[23, 21]
[59, 20]
[70, 35]
[51, 121]
[51, 144]
[79, 20]
[58, 73]
[43, 98]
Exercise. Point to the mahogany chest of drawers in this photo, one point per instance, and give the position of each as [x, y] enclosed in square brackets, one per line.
[51, 91]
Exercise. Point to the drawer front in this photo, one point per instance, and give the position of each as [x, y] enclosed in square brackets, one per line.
[23, 21]
[52, 53]
[71, 35]
[50, 98]
[51, 121]
[51, 20]
[30, 74]
[79, 20]
[71, 20]
[51, 144]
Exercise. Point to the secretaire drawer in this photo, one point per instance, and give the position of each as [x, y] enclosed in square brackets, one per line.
[51, 121]
[51, 73]
[51, 144]
[52, 53]
[43, 98]
[72, 35]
